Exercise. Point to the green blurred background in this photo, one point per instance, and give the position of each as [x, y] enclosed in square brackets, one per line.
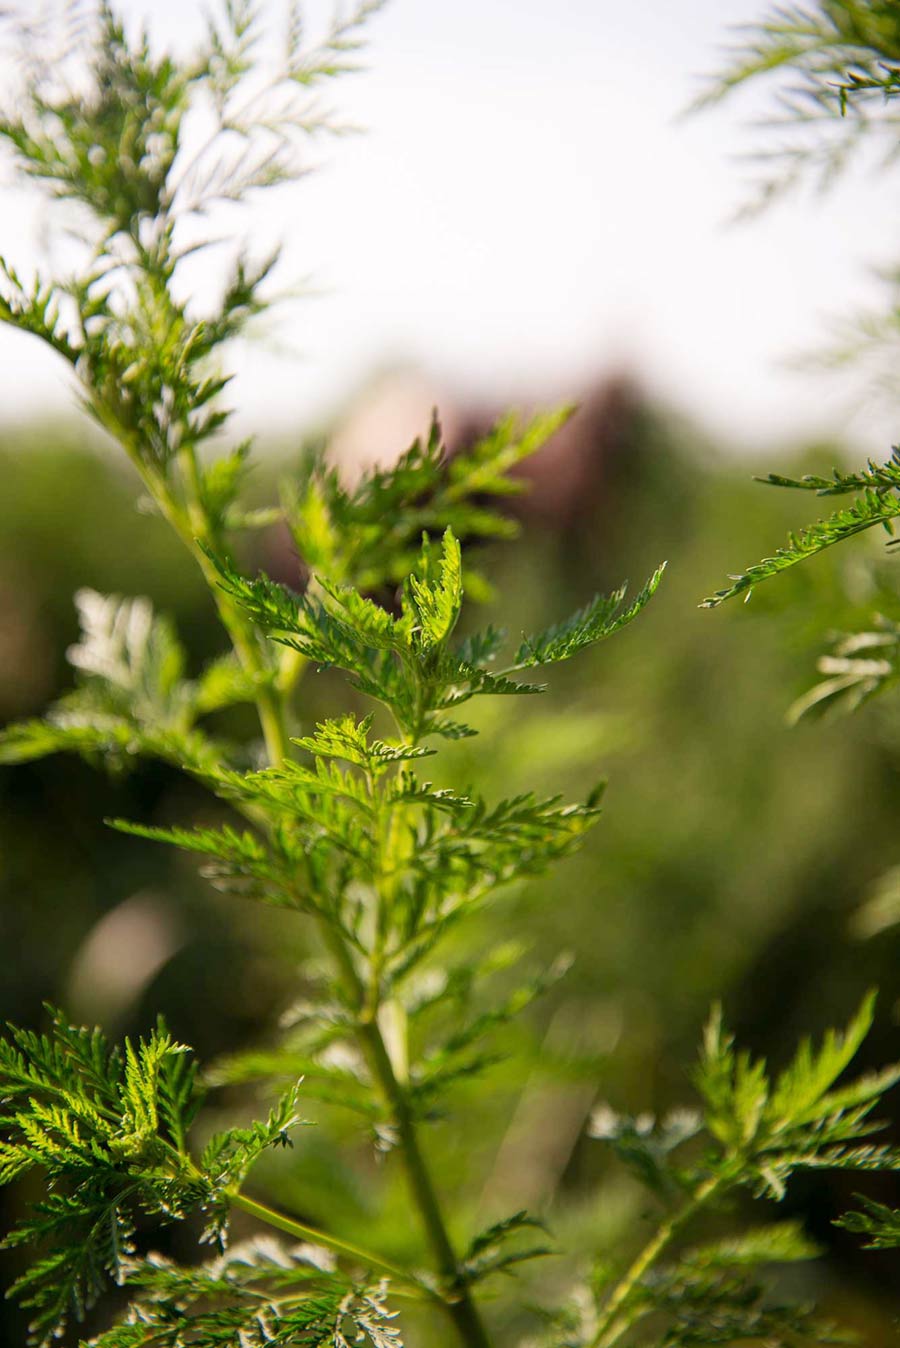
[732, 856]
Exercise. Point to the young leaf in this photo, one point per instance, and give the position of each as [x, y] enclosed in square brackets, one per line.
[131, 697]
[873, 507]
[489, 1253]
[435, 595]
[879, 1224]
[861, 666]
[603, 617]
[369, 537]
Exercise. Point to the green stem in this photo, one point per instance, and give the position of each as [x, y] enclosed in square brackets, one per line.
[291, 1227]
[290, 669]
[388, 824]
[269, 702]
[300, 1231]
[457, 1298]
[615, 1320]
[193, 526]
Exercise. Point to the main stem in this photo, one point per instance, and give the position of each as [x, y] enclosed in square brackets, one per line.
[193, 525]
[456, 1296]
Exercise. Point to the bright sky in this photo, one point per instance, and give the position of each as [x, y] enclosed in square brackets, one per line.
[527, 212]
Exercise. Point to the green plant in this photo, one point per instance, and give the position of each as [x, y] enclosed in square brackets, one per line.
[839, 63]
[838, 66]
[336, 824]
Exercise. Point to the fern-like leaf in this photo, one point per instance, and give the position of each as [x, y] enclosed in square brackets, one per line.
[874, 507]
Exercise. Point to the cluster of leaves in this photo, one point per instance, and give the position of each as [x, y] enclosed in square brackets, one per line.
[356, 837]
[838, 62]
[714, 1294]
[718, 1295]
[108, 1129]
[754, 1132]
[799, 1120]
[835, 69]
[369, 536]
[877, 503]
[385, 859]
[452, 1022]
[407, 662]
[132, 696]
[259, 1293]
[842, 62]
[838, 65]
[146, 147]
[859, 666]
[340, 825]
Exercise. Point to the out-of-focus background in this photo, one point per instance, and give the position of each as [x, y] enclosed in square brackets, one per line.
[527, 219]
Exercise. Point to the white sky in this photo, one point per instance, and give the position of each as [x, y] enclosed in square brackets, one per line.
[525, 212]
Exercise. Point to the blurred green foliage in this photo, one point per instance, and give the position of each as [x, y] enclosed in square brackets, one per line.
[732, 857]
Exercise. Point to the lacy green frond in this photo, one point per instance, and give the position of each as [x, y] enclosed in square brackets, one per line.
[698, 1301]
[43, 309]
[801, 1119]
[876, 1222]
[107, 1129]
[348, 739]
[874, 507]
[759, 1130]
[132, 698]
[861, 666]
[110, 741]
[490, 1251]
[484, 467]
[833, 66]
[406, 662]
[131, 659]
[108, 124]
[229, 1156]
[369, 537]
[814, 42]
[258, 1293]
[358, 838]
[705, 1307]
[127, 95]
[798, 1094]
[434, 596]
[600, 619]
[875, 477]
[269, 871]
[647, 1145]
